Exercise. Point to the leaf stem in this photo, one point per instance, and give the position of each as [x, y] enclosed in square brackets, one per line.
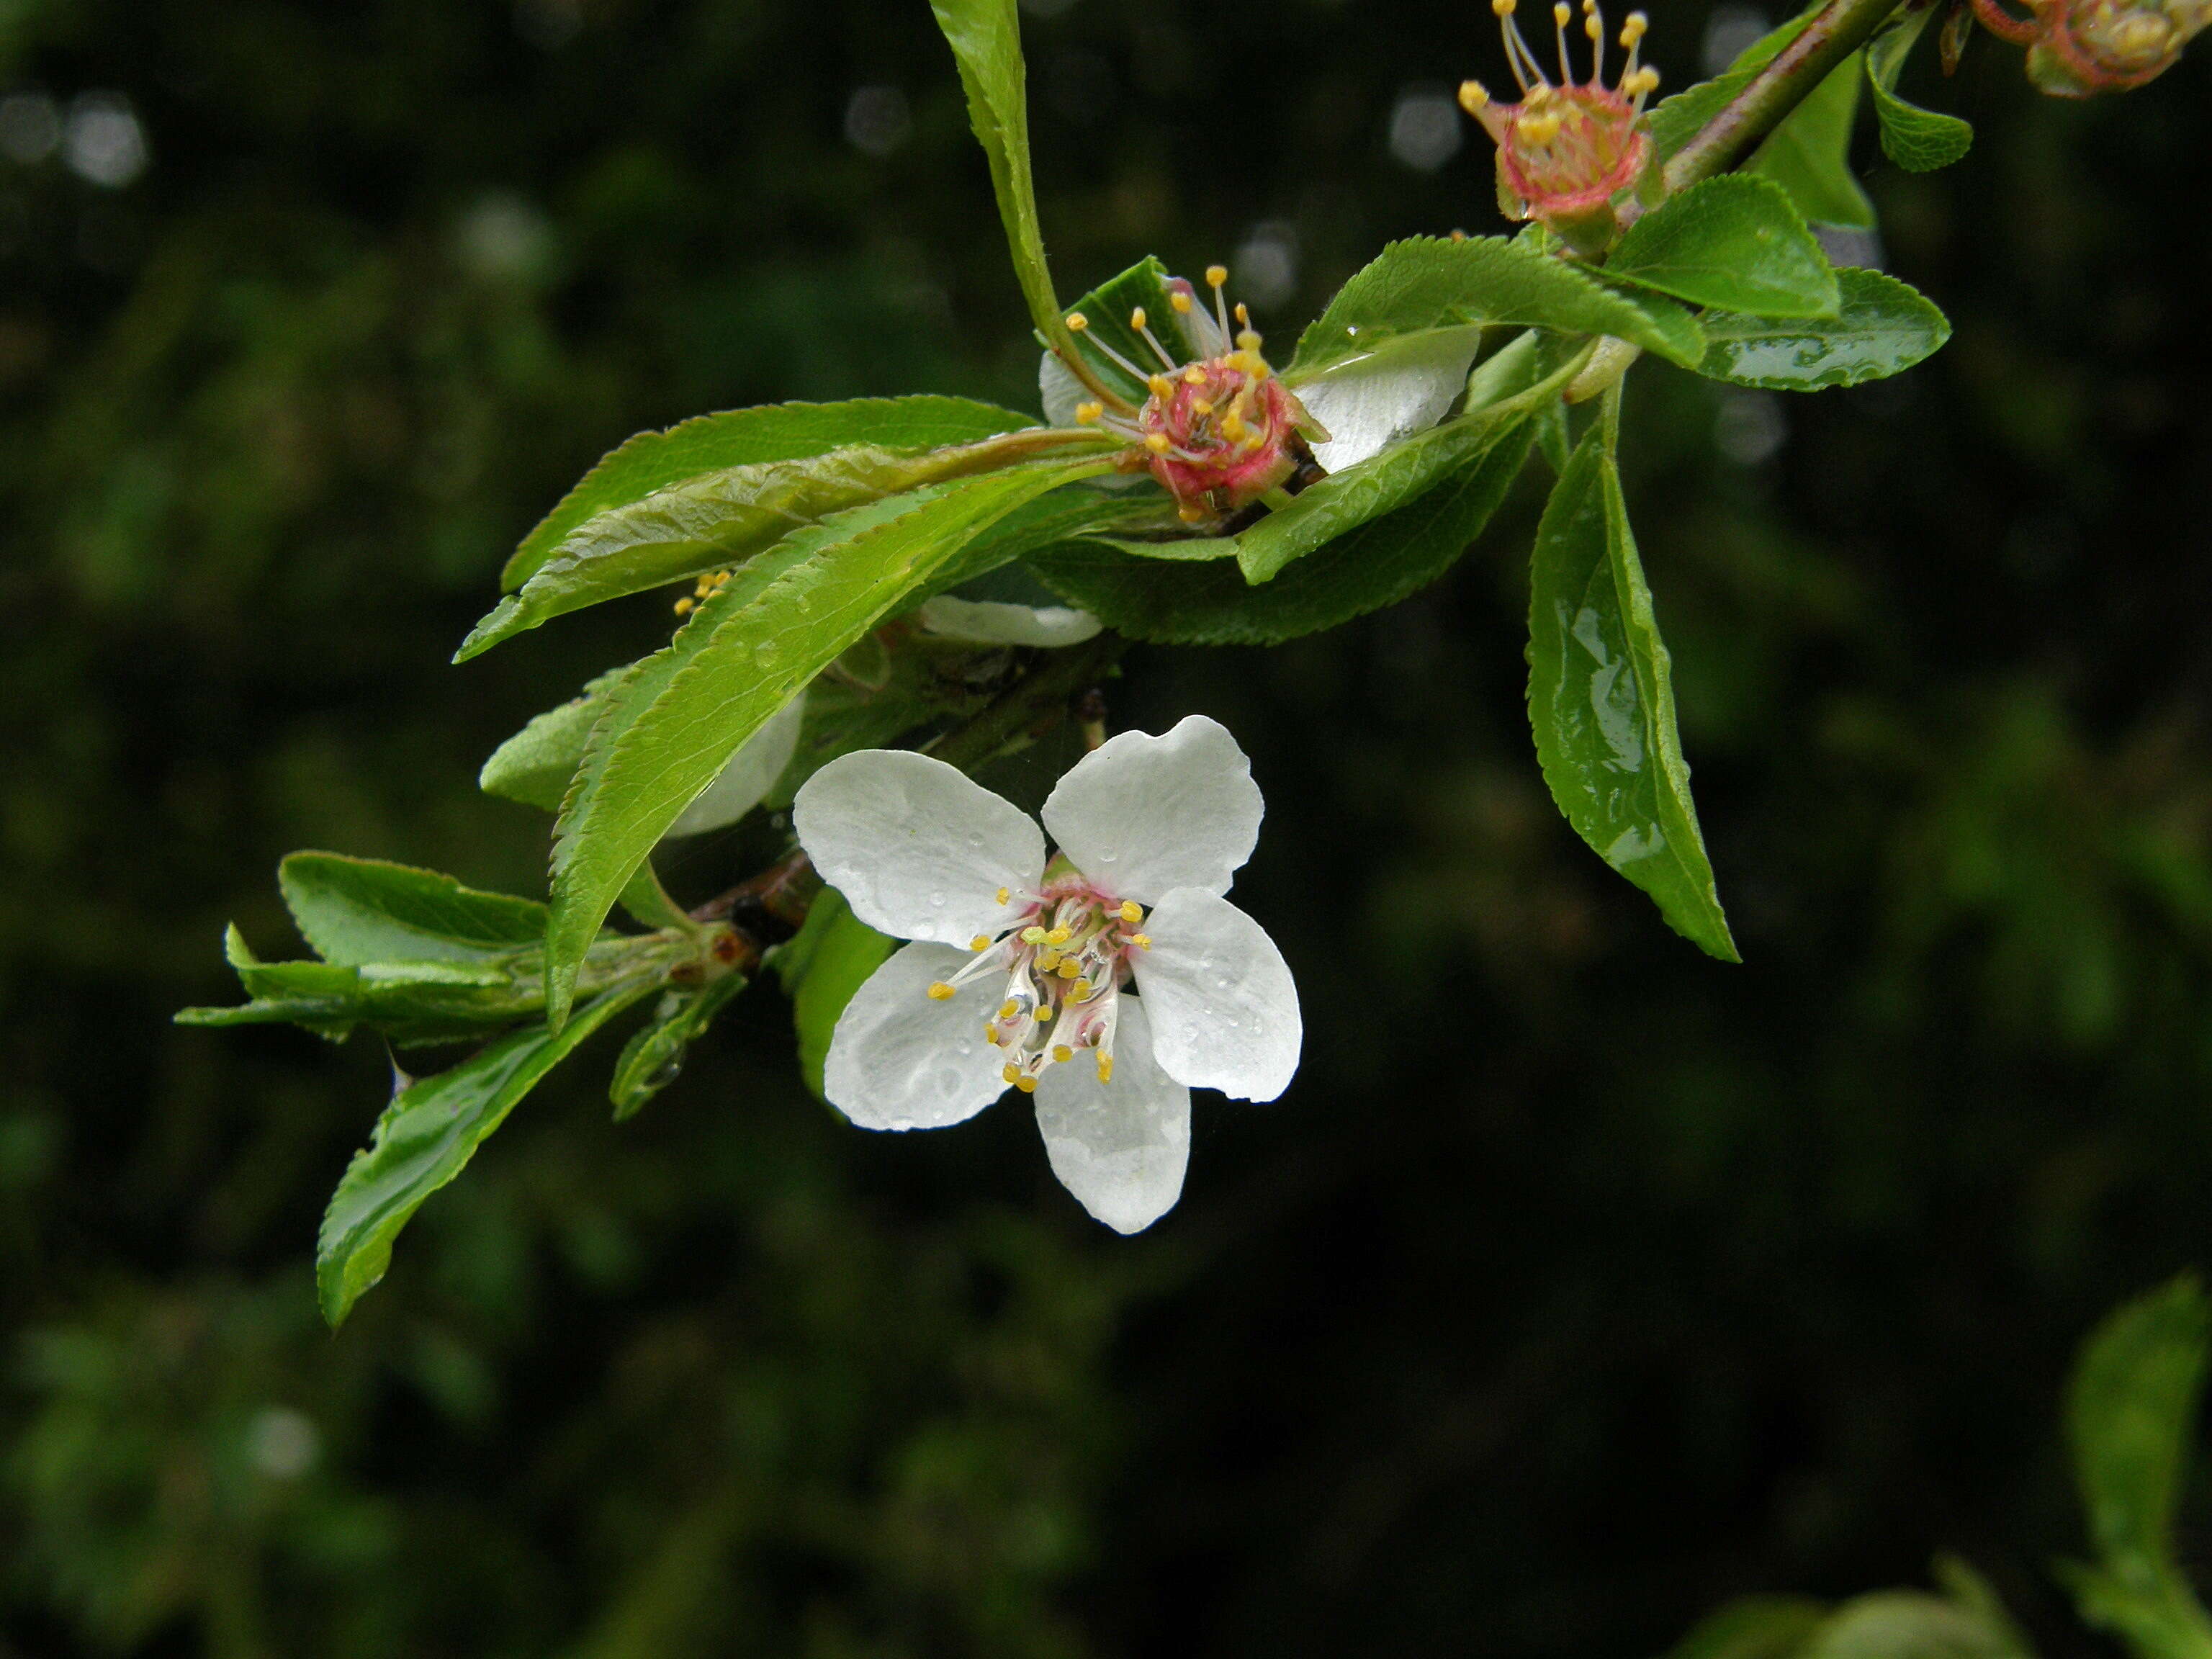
[1840, 29]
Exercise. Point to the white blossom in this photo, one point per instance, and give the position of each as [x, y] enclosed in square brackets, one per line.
[1108, 981]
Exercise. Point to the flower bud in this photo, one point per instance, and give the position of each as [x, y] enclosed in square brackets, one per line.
[2078, 48]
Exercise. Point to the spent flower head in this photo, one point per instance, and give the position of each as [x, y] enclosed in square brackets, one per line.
[2078, 48]
[1107, 980]
[1569, 154]
[1219, 430]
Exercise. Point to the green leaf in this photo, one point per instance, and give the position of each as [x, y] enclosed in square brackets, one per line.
[1380, 563]
[716, 519]
[1884, 328]
[1754, 1627]
[1344, 501]
[651, 461]
[683, 711]
[654, 1054]
[535, 764]
[2131, 1413]
[1918, 140]
[1602, 700]
[1107, 310]
[985, 39]
[1906, 1625]
[425, 1138]
[1427, 283]
[830, 959]
[364, 910]
[1809, 155]
[1735, 243]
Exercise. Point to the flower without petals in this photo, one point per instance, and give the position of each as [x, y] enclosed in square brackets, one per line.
[1108, 979]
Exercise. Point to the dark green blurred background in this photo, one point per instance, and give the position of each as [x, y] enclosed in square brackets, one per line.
[1578, 1283]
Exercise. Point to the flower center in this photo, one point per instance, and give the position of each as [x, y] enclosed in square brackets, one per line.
[1565, 152]
[1066, 960]
[1218, 432]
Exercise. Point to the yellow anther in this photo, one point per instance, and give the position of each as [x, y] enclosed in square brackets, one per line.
[1194, 375]
[1633, 29]
[1082, 990]
[1085, 415]
[1162, 387]
[1004, 893]
[1242, 314]
[1594, 27]
[1560, 12]
[1201, 406]
[1010, 1009]
[1032, 935]
[981, 942]
[1644, 80]
[1026, 1083]
[991, 1036]
[1159, 443]
[684, 607]
[1247, 340]
[1077, 322]
[1048, 960]
[1502, 7]
[1216, 276]
[1191, 512]
[1537, 129]
[1013, 1072]
[1063, 1053]
[1060, 935]
[1232, 425]
[940, 992]
[1137, 317]
[1142, 941]
[1069, 967]
[1131, 911]
[1181, 302]
[1105, 1068]
[1473, 96]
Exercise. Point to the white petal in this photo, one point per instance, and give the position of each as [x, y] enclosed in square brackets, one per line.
[1060, 390]
[1142, 816]
[918, 849]
[900, 1060]
[1400, 388]
[751, 773]
[1120, 1147]
[991, 622]
[1225, 1009]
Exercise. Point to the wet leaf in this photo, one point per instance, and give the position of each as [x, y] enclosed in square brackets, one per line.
[1736, 243]
[1602, 700]
[1883, 328]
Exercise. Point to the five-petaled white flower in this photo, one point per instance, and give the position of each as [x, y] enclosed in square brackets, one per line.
[1022, 968]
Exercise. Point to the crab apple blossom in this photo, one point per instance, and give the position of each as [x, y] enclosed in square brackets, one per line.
[1106, 979]
[1219, 430]
[1568, 155]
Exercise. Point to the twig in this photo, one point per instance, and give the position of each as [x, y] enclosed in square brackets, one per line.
[1840, 29]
